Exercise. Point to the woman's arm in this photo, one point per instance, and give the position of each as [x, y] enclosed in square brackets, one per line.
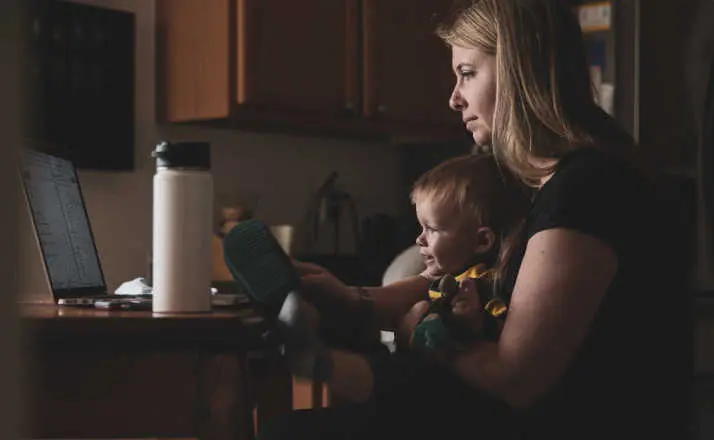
[560, 285]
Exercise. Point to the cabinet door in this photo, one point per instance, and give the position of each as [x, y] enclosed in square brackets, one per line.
[193, 59]
[407, 69]
[298, 55]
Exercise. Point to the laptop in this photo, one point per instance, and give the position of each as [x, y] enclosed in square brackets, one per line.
[63, 231]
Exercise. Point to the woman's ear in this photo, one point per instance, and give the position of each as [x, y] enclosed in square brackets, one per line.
[485, 240]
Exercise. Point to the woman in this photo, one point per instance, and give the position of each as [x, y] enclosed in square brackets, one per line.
[596, 341]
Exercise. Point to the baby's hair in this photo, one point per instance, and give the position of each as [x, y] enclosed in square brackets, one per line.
[474, 185]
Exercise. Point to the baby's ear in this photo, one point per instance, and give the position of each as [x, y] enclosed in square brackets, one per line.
[485, 240]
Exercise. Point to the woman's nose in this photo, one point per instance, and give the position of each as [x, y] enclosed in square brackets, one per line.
[456, 101]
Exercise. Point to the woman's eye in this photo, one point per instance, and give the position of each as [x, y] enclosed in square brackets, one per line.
[467, 74]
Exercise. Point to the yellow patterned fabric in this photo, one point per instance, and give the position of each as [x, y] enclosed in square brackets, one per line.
[479, 271]
[496, 307]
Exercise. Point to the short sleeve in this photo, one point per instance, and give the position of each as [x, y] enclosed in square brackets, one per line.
[591, 194]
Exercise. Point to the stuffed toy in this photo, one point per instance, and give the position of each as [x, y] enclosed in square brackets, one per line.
[439, 330]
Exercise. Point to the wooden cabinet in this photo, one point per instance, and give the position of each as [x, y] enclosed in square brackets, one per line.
[339, 67]
[298, 55]
[275, 54]
[194, 48]
[407, 69]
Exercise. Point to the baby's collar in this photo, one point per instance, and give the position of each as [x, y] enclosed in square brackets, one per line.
[479, 270]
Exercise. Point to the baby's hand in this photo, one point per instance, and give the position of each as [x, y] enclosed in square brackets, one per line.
[431, 273]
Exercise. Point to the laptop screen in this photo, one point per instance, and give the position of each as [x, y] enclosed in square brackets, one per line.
[62, 225]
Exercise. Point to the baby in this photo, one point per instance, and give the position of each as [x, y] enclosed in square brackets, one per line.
[467, 207]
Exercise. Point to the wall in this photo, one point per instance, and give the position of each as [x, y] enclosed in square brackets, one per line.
[276, 173]
[12, 125]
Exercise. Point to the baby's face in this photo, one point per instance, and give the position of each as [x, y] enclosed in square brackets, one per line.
[447, 242]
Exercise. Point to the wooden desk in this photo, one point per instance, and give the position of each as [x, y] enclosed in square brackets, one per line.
[111, 374]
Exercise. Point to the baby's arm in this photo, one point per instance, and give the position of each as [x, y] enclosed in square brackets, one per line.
[391, 302]
[385, 304]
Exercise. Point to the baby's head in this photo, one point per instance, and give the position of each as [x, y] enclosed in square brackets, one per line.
[466, 206]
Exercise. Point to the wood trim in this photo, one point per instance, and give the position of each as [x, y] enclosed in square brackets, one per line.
[352, 54]
[308, 394]
[232, 55]
[318, 394]
[325, 395]
[160, 110]
[241, 51]
[368, 75]
[225, 62]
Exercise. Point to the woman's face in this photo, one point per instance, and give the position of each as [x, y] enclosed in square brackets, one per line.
[474, 94]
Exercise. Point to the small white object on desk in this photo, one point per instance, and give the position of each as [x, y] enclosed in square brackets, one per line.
[138, 286]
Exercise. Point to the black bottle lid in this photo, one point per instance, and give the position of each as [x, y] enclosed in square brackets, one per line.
[196, 155]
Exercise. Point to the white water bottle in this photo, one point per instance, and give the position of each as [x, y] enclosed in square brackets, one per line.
[182, 224]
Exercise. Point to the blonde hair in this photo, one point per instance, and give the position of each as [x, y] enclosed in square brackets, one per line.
[545, 105]
[475, 187]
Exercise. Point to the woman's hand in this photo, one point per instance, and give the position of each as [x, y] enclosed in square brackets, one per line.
[405, 335]
[466, 308]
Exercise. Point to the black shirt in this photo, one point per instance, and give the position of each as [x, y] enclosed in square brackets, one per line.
[628, 378]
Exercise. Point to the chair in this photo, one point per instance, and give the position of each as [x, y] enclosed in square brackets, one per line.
[406, 264]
